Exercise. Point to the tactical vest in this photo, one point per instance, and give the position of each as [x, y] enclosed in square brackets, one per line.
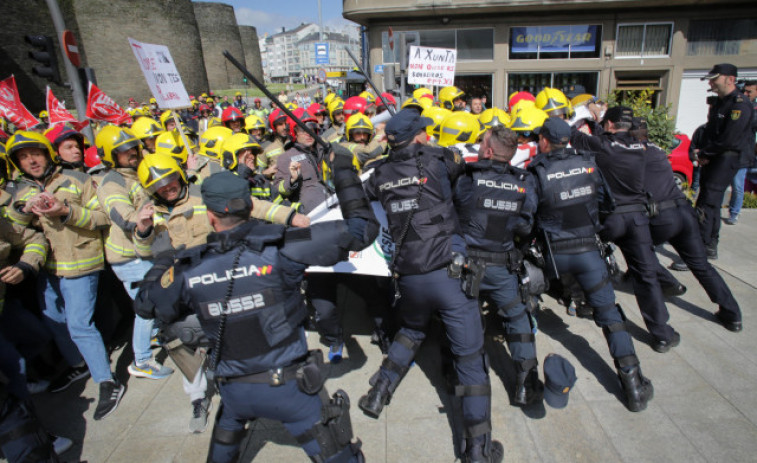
[265, 310]
[428, 241]
[568, 207]
[498, 196]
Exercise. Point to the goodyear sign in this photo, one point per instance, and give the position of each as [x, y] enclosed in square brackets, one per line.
[546, 39]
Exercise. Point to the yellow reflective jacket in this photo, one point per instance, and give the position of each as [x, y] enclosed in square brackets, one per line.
[76, 246]
[121, 195]
[32, 243]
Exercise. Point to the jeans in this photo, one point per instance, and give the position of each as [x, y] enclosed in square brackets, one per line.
[69, 304]
[23, 329]
[131, 272]
[737, 192]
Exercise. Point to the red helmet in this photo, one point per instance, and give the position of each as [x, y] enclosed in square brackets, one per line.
[316, 109]
[389, 99]
[518, 96]
[256, 100]
[232, 113]
[275, 116]
[91, 159]
[61, 132]
[354, 104]
[204, 107]
[302, 115]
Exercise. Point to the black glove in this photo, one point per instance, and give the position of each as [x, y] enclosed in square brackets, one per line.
[342, 157]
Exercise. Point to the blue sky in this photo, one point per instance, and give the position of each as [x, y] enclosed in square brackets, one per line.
[271, 15]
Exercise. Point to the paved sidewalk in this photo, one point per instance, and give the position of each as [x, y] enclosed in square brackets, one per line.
[704, 409]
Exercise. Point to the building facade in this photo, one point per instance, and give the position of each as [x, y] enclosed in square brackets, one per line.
[603, 46]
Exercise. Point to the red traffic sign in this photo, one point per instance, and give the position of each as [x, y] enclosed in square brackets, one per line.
[391, 39]
[72, 50]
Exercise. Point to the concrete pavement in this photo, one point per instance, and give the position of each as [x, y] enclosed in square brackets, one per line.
[704, 409]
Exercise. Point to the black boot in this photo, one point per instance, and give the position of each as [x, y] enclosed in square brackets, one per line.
[528, 387]
[483, 450]
[373, 403]
[637, 388]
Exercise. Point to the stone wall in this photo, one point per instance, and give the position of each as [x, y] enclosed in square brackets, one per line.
[218, 31]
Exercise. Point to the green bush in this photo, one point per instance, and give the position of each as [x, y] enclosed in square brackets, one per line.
[660, 124]
[750, 201]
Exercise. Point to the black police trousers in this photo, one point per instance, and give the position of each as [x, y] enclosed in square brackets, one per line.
[678, 226]
[717, 175]
[630, 231]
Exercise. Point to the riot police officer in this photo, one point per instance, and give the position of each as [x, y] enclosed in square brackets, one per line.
[620, 157]
[572, 194]
[415, 186]
[729, 145]
[255, 326]
[498, 203]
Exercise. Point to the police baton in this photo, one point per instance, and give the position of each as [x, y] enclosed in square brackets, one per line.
[370, 82]
[278, 103]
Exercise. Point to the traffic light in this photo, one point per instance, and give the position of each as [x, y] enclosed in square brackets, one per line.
[46, 56]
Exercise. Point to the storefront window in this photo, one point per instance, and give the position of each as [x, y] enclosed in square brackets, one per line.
[535, 82]
[555, 42]
[721, 37]
[471, 44]
[643, 40]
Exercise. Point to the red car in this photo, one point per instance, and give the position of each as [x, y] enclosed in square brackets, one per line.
[679, 159]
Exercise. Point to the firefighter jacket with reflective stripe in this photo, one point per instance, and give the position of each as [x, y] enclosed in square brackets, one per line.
[310, 189]
[32, 244]
[121, 195]
[76, 245]
[497, 202]
[270, 153]
[434, 232]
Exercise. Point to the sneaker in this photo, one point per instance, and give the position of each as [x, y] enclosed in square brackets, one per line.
[155, 343]
[731, 220]
[111, 392]
[679, 266]
[200, 409]
[35, 387]
[68, 378]
[151, 369]
[335, 353]
[60, 443]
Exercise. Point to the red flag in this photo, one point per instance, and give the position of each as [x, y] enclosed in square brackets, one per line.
[56, 112]
[11, 106]
[102, 107]
[78, 126]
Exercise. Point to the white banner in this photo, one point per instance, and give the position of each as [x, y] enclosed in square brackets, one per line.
[431, 66]
[373, 260]
[161, 75]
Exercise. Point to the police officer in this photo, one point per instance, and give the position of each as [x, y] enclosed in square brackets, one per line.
[499, 202]
[572, 194]
[256, 325]
[729, 145]
[415, 186]
[620, 157]
[672, 219]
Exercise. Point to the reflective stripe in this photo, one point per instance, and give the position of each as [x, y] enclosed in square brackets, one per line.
[75, 265]
[119, 249]
[72, 189]
[19, 221]
[272, 212]
[282, 188]
[116, 199]
[93, 203]
[200, 209]
[36, 248]
[142, 248]
[274, 153]
[85, 214]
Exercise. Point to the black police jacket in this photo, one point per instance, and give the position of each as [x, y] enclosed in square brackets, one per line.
[497, 202]
[730, 128]
[265, 310]
[434, 231]
[570, 189]
[621, 157]
[658, 178]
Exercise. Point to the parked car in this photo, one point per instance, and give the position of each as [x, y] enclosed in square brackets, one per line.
[679, 159]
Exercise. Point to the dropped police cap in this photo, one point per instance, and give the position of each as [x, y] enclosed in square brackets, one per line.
[226, 193]
[405, 125]
[722, 69]
[555, 130]
[618, 114]
[559, 378]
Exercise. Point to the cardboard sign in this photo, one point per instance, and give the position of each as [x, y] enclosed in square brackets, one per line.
[161, 75]
[431, 66]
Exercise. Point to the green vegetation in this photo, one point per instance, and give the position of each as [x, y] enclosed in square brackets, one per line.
[253, 91]
[750, 201]
[660, 123]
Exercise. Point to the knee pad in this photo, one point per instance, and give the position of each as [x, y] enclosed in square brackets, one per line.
[334, 431]
[609, 328]
[224, 437]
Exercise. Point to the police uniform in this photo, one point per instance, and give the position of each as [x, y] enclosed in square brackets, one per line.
[571, 194]
[415, 187]
[729, 144]
[675, 221]
[256, 326]
[498, 202]
[620, 158]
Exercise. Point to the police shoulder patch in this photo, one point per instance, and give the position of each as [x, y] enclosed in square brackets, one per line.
[167, 279]
[735, 114]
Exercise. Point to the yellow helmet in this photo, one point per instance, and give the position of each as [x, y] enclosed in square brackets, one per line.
[291, 105]
[195, 103]
[419, 92]
[528, 119]
[26, 139]
[553, 102]
[170, 143]
[215, 122]
[418, 103]
[358, 122]
[494, 116]
[111, 140]
[5, 166]
[158, 170]
[167, 116]
[254, 122]
[211, 141]
[328, 98]
[210, 99]
[369, 97]
[146, 127]
[448, 95]
[42, 114]
[203, 95]
[520, 106]
[233, 145]
[238, 94]
[582, 99]
[460, 127]
[336, 104]
[438, 115]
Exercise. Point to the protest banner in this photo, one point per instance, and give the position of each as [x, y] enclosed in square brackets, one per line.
[431, 66]
[11, 106]
[101, 107]
[56, 112]
[161, 75]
